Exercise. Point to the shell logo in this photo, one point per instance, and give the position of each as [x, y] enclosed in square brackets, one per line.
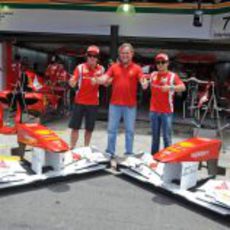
[186, 144]
[43, 132]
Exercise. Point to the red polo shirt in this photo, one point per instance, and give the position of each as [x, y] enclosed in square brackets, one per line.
[124, 83]
[162, 102]
[87, 94]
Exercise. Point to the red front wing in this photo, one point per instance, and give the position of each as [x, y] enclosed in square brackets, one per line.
[194, 150]
[37, 135]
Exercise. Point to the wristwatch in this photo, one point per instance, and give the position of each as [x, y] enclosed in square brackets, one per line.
[172, 88]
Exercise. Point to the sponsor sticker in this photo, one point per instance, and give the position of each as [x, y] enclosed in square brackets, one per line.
[199, 154]
[186, 144]
[43, 131]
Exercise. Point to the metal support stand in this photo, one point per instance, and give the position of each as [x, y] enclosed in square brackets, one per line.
[211, 107]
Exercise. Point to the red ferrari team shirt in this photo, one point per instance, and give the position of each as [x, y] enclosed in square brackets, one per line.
[87, 94]
[162, 102]
[124, 83]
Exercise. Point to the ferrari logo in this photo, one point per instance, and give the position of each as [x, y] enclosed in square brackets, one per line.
[131, 73]
[85, 71]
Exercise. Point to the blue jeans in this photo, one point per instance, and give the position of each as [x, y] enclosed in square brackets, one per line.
[158, 121]
[129, 117]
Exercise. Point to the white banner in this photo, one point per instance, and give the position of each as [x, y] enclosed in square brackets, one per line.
[155, 25]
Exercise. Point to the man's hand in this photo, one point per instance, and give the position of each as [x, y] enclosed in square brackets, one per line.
[108, 82]
[173, 88]
[93, 80]
[144, 83]
[72, 82]
[166, 88]
[99, 80]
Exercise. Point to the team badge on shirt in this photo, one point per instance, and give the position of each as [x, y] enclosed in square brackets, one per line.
[85, 71]
[130, 73]
[164, 81]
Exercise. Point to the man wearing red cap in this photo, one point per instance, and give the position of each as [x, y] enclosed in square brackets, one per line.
[87, 95]
[124, 76]
[164, 84]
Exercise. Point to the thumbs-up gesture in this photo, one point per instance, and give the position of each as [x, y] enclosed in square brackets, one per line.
[72, 82]
[93, 80]
[144, 83]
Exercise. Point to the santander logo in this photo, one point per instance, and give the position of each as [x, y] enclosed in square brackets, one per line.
[199, 154]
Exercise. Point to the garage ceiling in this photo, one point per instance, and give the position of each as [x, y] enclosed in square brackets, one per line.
[109, 2]
[49, 43]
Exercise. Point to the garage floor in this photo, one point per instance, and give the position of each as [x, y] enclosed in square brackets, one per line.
[101, 200]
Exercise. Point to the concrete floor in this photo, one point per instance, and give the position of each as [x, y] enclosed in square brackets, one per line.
[100, 201]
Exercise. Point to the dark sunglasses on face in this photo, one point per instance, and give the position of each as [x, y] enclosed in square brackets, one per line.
[161, 62]
[92, 55]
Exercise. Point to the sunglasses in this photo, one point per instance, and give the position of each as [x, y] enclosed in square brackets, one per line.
[92, 56]
[161, 62]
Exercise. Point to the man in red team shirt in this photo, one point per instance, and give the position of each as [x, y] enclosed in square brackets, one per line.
[164, 84]
[55, 72]
[87, 95]
[124, 77]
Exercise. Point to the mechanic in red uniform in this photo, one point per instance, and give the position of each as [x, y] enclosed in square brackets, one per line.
[86, 97]
[52, 70]
[57, 78]
[56, 73]
[164, 84]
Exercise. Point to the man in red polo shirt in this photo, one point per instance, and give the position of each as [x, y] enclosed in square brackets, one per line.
[55, 72]
[87, 95]
[164, 84]
[124, 77]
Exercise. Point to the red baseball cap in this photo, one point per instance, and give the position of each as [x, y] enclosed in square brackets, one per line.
[93, 49]
[162, 56]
